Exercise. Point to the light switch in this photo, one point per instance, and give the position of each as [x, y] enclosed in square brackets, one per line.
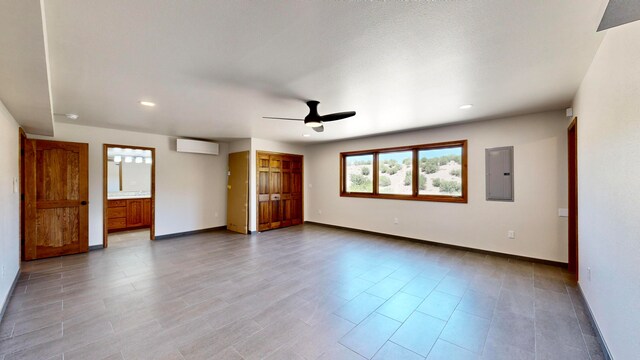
[562, 212]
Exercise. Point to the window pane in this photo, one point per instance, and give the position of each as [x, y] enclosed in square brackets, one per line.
[440, 172]
[359, 173]
[394, 173]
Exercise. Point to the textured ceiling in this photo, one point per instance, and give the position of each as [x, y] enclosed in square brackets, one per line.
[214, 68]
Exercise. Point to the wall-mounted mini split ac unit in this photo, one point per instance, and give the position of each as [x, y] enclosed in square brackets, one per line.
[197, 146]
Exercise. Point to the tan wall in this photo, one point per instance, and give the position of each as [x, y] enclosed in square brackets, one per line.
[608, 109]
[540, 189]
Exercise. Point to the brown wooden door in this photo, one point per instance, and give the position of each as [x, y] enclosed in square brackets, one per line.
[285, 195]
[238, 192]
[280, 199]
[275, 190]
[56, 198]
[296, 190]
[135, 213]
[264, 213]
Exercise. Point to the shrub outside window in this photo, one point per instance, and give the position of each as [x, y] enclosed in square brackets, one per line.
[395, 173]
[359, 173]
[427, 172]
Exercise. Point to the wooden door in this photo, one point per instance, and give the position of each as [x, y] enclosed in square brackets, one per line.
[285, 194]
[263, 210]
[275, 190]
[280, 198]
[238, 192]
[135, 212]
[296, 190]
[572, 137]
[56, 198]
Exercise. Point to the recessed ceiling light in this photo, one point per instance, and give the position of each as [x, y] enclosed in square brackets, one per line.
[306, 135]
[69, 116]
[466, 106]
[147, 103]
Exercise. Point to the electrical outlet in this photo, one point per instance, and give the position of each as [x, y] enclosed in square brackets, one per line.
[511, 234]
[395, 221]
[589, 273]
[215, 214]
[319, 212]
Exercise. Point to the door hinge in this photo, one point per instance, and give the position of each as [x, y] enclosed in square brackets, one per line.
[22, 197]
[22, 152]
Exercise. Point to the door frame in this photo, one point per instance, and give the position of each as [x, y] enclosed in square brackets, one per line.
[22, 138]
[105, 201]
[572, 158]
[258, 183]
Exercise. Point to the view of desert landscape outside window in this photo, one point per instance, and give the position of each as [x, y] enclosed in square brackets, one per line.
[360, 173]
[440, 172]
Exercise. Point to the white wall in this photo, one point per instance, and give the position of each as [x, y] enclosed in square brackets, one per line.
[272, 146]
[608, 109]
[9, 203]
[540, 189]
[190, 188]
[239, 145]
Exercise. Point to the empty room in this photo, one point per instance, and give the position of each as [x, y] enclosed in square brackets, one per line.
[319, 179]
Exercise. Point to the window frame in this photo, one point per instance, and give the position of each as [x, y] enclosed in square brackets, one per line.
[415, 193]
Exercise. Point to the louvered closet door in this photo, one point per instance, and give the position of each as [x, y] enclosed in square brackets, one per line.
[264, 197]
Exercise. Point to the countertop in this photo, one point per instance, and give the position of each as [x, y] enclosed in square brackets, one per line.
[125, 195]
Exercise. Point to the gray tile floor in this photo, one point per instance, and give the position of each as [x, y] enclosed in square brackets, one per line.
[305, 292]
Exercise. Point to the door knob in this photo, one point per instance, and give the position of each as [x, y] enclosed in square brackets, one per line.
[83, 203]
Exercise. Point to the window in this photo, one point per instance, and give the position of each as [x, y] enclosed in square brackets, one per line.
[359, 173]
[441, 171]
[428, 172]
[395, 173]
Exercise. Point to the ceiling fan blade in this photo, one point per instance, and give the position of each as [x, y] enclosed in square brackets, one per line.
[337, 116]
[319, 128]
[279, 118]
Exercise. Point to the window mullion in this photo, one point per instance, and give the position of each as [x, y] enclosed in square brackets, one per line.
[375, 173]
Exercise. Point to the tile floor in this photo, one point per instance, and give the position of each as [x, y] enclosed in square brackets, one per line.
[305, 292]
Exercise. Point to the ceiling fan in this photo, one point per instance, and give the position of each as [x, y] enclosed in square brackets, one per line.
[315, 120]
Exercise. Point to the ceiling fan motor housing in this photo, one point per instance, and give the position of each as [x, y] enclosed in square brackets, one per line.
[313, 119]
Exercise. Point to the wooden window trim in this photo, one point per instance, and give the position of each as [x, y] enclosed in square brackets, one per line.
[415, 174]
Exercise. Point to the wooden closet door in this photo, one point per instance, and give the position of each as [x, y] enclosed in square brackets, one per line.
[285, 197]
[264, 203]
[275, 190]
[56, 198]
[296, 190]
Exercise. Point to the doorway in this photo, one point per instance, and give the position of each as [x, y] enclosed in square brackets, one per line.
[279, 193]
[572, 145]
[238, 192]
[56, 198]
[129, 193]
